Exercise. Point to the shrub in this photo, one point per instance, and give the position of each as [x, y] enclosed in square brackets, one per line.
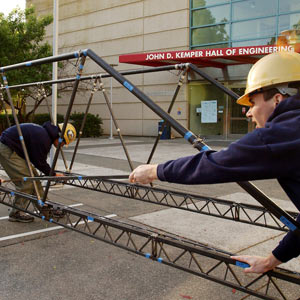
[42, 118]
[92, 127]
[3, 121]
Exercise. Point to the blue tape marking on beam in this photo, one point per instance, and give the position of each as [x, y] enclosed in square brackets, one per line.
[24, 178]
[51, 220]
[160, 260]
[79, 177]
[90, 218]
[4, 78]
[12, 193]
[40, 202]
[28, 64]
[76, 54]
[21, 138]
[84, 53]
[286, 222]
[43, 217]
[6, 86]
[60, 140]
[205, 148]
[242, 265]
[77, 77]
[147, 255]
[128, 86]
[80, 66]
[188, 135]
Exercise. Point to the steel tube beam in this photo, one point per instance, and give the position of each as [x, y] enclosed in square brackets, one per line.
[239, 212]
[66, 120]
[45, 60]
[104, 75]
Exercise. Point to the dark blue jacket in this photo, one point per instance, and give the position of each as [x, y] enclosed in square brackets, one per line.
[270, 152]
[38, 140]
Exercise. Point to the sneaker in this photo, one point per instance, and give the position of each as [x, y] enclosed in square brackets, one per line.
[23, 218]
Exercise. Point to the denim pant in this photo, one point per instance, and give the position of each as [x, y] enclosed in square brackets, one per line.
[16, 168]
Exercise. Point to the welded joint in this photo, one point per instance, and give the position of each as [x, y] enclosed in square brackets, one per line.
[154, 248]
[236, 211]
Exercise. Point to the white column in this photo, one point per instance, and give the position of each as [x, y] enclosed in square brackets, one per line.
[54, 66]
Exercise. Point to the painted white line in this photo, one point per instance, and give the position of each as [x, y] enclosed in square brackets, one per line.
[15, 236]
[72, 205]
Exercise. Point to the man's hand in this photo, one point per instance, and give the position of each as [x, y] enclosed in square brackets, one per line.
[143, 174]
[258, 264]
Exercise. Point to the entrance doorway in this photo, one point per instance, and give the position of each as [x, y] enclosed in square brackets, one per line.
[238, 123]
[213, 113]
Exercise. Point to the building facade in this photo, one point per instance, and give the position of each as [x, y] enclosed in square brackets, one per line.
[116, 28]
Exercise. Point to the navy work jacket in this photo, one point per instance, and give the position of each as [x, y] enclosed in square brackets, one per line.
[38, 140]
[265, 153]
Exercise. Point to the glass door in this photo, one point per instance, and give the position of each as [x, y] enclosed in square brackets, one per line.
[238, 123]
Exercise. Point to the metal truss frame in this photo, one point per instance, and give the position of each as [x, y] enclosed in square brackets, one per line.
[171, 250]
[180, 253]
[225, 209]
[197, 142]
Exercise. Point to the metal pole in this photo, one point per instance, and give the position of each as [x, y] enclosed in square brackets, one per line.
[54, 68]
[41, 61]
[95, 89]
[111, 119]
[67, 116]
[111, 136]
[105, 75]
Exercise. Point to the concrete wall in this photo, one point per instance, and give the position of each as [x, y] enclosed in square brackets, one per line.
[115, 27]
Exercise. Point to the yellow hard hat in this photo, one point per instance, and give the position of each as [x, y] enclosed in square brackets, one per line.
[271, 70]
[70, 133]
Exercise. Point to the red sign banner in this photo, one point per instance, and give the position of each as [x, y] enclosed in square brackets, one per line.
[157, 58]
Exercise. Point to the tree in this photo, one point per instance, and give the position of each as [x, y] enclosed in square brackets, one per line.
[212, 33]
[22, 36]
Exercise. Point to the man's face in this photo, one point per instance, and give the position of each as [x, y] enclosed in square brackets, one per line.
[261, 110]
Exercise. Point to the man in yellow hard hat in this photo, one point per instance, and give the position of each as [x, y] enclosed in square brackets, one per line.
[38, 140]
[270, 151]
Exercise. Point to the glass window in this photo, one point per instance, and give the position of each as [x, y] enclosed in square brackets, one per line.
[260, 42]
[289, 29]
[253, 9]
[210, 34]
[286, 6]
[211, 15]
[201, 3]
[287, 22]
[213, 46]
[254, 29]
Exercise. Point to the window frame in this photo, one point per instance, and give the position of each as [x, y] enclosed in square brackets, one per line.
[231, 22]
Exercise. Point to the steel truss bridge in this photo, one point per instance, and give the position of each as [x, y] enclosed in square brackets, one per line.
[189, 256]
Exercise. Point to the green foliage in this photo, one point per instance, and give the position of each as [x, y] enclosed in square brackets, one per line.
[3, 121]
[92, 126]
[42, 118]
[21, 35]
